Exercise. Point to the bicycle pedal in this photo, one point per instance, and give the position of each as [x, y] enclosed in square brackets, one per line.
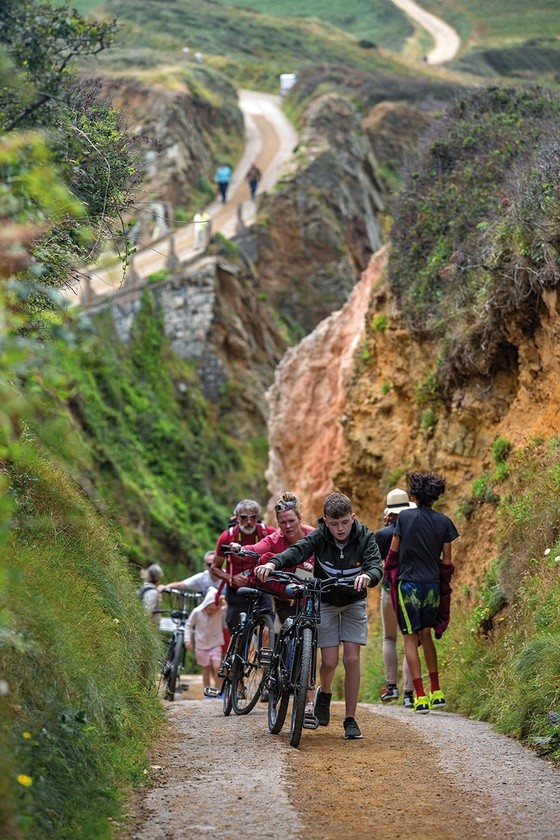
[265, 656]
[310, 723]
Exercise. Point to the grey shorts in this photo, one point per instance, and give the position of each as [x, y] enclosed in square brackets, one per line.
[342, 624]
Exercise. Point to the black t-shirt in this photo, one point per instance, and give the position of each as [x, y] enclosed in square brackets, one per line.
[423, 532]
[383, 539]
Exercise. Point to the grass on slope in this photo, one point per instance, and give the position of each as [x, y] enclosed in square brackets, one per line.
[78, 655]
[505, 37]
[250, 49]
[378, 21]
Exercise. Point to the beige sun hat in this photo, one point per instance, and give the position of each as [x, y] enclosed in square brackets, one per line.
[398, 500]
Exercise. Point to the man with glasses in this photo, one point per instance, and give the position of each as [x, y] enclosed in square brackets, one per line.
[246, 531]
[200, 582]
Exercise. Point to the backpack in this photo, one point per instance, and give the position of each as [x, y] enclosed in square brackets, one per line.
[141, 591]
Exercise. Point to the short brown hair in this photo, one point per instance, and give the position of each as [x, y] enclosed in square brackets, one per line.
[337, 505]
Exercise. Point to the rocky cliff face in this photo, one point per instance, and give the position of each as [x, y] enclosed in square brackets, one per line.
[324, 217]
[365, 438]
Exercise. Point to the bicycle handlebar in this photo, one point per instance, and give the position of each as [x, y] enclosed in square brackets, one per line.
[304, 583]
[242, 552]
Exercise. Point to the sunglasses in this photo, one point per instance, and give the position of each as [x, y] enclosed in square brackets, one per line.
[285, 505]
[244, 516]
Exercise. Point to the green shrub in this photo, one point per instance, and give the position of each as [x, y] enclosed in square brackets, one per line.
[379, 323]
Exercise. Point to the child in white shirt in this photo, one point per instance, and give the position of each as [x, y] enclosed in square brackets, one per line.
[205, 632]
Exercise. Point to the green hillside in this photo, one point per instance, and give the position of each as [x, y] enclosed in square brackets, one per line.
[379, 21]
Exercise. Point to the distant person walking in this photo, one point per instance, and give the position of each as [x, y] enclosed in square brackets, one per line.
[222, 178]
[253, 177]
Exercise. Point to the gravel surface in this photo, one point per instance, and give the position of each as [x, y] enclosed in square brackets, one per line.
[437, 775]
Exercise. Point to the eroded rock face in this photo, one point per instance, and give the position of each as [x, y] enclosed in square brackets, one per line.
[345, 414]
[394, 129]
[307, 402]
[212, 316]
[325, 217]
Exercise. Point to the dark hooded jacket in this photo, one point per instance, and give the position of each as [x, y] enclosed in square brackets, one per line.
[360, 555]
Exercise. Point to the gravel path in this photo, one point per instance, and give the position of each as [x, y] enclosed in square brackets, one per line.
[437, 775]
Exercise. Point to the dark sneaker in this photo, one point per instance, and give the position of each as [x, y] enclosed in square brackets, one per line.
[323, 707]
[351, 730]
[408, 700]
[389, 693]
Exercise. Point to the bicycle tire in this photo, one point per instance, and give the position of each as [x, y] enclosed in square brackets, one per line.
[302, 667]
[278, 698]
[175, 664]
[248, 672]
[227, 704]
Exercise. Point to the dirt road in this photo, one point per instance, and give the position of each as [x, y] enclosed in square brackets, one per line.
[436, 776]
[446, 38]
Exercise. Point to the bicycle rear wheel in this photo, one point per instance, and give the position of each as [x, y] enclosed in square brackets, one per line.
[302, 667]
[248, 670]
[278, 697]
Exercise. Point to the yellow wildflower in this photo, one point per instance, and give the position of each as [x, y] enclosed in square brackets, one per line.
[24, 780]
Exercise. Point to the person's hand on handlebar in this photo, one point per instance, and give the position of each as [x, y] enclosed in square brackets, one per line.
[361, 581]
[235, 547]
[262, 572]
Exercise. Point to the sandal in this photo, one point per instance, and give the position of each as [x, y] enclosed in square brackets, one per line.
[309, 719]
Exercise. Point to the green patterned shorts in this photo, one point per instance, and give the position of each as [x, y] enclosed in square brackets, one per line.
[418, 605]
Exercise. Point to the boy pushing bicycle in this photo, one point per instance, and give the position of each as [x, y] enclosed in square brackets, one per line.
[343, 548]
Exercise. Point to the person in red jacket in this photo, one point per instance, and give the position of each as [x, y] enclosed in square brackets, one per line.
[246, 531]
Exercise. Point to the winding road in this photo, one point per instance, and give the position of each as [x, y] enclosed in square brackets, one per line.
[446, 38]
[269, 140]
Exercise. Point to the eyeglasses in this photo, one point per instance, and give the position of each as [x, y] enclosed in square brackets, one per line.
[285, 505]
[244, 516]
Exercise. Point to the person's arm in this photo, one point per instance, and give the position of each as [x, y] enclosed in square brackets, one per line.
[295, 555]
[189, 628]
[372, 567]
[178, 584]
[446, 553]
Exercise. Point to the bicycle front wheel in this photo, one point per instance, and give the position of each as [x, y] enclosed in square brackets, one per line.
[172, 666]
[226, 697]
[248, 669]
[302, 667]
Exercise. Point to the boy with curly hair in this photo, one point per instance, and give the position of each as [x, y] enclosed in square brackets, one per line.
[419, 568]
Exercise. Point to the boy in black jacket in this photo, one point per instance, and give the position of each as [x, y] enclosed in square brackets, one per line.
[342, 547]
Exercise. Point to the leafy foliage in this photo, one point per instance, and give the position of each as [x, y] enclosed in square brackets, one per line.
[475, 232]
[83, 134]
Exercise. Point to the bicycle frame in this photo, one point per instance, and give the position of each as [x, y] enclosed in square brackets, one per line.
[237, 657]
[294, 659]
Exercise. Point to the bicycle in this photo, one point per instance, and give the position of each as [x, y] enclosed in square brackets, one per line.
[245, 664]
[174, 659]
[294, 658]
